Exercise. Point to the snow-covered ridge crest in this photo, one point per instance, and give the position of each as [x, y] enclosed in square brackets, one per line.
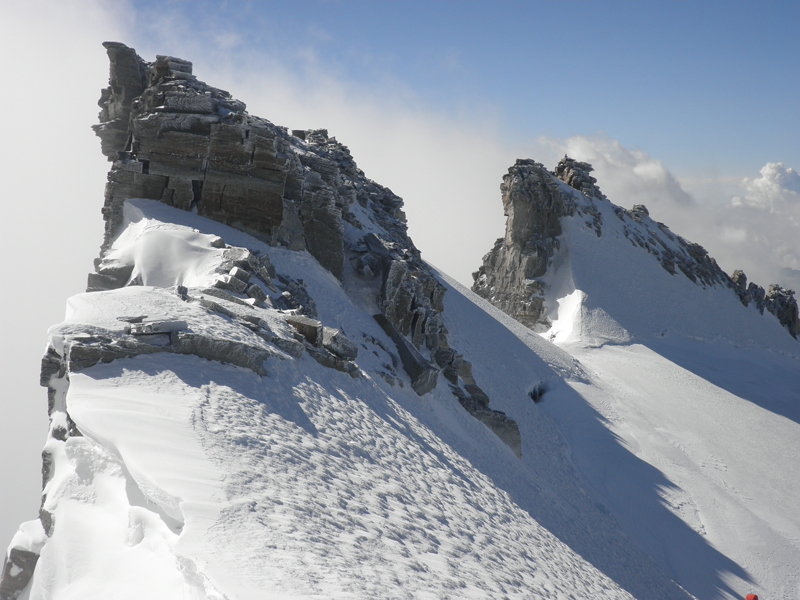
[181, 462]
[576, 266]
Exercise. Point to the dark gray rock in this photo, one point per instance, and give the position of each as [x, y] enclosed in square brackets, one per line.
[17, 572]
[503, 427]
[51, 366]
[740, 280]
[326, 359]
[293, 348]
[240, 274]
[229, 282]
[782, 303]
[310, 329]
[225, 351]
[509, 276]
[335, 342]
[423, 374]
[222, 295]
[477, 394]
[255, 292]
[153, 327]
[778, 300]
[576, 175]
[263, 269]
[86, 351]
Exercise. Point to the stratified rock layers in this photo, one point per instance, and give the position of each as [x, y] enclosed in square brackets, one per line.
[180, 141]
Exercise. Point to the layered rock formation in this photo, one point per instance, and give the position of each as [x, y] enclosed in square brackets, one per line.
[777, 300]
[180, 141]
[174, 139]
[513, 274]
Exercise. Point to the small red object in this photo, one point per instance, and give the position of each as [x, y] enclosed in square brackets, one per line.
[751, 597]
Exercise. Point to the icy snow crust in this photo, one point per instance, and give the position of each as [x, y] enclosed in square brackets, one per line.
[204, 480]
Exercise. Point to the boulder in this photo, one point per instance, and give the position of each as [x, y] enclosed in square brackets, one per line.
[240, 274]
[326, 359]
[335, 341]
[255, 292]
[229, 282]
[503, 427]
[225, 351]
[423, 374]
[310, 329]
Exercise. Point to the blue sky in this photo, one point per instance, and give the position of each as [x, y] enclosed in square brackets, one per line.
[700, 85]
[688, 107]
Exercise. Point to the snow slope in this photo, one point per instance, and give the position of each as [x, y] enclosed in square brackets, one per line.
[659, 464]
[687, 423]
[200, 479]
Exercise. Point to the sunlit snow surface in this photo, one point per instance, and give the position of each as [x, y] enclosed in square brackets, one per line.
[687, 423]
[644, 463]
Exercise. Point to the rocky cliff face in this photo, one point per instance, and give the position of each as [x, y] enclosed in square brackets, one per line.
[514, 274]
[182, 142]
[175, 139]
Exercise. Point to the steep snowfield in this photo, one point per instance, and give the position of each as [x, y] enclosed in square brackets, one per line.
[687, 424]
[664, 450]
[199, 479]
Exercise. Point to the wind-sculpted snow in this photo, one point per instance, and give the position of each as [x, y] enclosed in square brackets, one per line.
[182, 476]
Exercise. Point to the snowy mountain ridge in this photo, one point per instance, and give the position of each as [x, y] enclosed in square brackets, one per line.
[520, 274]
[265, 392]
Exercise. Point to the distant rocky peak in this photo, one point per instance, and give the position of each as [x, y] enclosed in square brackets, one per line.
[536, 202]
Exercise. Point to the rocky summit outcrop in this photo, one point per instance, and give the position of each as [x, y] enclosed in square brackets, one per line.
[535, 200]
[175, 139]
[777, 300]
[510, 276]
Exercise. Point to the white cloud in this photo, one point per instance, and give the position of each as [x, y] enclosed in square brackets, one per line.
[777, 190]
[53, 176]
[625, 176]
